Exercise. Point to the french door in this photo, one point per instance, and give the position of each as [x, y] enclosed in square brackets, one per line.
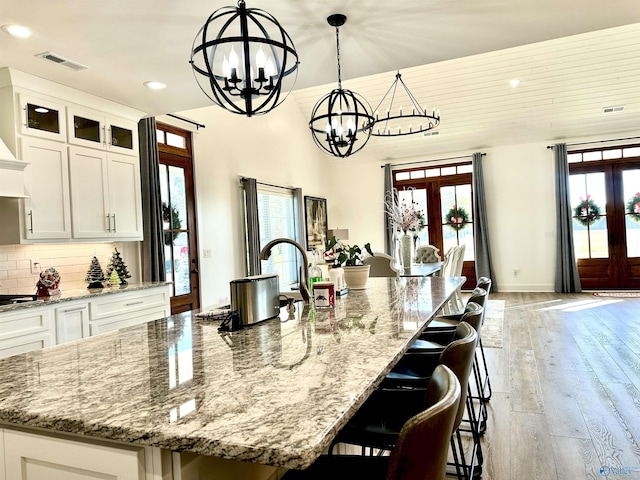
[443, 193]
[178, 217]
[605, 202]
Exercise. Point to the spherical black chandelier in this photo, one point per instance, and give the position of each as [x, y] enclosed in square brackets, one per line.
[340, 121]
[244, 61]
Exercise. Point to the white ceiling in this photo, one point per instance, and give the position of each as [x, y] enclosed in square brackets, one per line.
[457, 55]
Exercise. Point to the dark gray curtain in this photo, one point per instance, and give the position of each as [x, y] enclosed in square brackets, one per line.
[484, 266]
[388, 227]
[252, 223]
[153, 269]
[301, 225]
[567, 277]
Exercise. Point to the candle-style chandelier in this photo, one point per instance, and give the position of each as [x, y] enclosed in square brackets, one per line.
[244, 61]
[393, 119]
[340, 121]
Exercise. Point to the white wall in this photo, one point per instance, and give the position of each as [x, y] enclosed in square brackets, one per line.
[520, 209]
[277, 149]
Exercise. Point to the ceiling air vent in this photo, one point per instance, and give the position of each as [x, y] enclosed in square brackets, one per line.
[619, 108]
[65, 62]
[431, 134]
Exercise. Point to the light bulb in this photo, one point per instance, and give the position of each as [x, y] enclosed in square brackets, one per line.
[261, 58]
[270, 69]
[233, 57]
[226, 67]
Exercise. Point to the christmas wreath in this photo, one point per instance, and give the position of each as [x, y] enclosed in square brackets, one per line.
[633, 207]
[586, 212]
[457, 218]
[170, 215]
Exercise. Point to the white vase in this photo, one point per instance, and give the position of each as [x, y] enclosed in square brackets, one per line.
[406, 246]
[356, 277]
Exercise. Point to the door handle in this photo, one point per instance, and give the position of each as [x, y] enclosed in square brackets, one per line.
[195, 270]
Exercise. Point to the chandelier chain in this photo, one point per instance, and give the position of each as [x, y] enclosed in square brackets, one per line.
[338, 57]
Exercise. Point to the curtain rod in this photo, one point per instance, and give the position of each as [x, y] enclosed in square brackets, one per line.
[429, 161]
[198, 125]
[596, 141]
[244, 179]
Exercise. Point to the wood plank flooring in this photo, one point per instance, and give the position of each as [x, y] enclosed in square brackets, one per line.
[566, 389]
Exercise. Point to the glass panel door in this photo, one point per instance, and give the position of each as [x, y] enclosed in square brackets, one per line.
[86, 129]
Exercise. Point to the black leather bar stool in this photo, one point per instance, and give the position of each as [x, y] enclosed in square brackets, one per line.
[421, 447]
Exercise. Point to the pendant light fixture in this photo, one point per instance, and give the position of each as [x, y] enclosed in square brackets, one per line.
[244, 61]
[341, 120]
[399, 113]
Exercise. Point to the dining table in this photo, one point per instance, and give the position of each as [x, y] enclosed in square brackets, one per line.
[421, 269]
[275, 393]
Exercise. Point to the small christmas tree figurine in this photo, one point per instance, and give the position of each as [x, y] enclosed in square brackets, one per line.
[95, 275]
[114, 278]
[119, 266]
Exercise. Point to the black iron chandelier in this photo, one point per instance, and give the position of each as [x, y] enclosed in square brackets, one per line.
[340, 121]
[244, 61]
[393, 120]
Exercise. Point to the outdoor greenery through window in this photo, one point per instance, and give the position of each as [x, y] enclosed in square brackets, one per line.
[277, 219]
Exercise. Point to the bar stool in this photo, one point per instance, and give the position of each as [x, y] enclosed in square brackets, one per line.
[421, 447]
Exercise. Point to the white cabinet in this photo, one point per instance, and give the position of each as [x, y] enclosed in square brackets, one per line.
[42, 116]
[46, 214]
[72, 321]
[25, 330]
[123, 310]
[93, 129]
[47, 210]
[30, 456]
[105, 195]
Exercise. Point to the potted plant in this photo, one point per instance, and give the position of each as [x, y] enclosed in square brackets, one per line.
[349, 257]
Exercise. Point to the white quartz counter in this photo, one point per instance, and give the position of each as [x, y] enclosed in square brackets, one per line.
[275, 393]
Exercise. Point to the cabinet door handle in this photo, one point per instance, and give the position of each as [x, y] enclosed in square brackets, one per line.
[108, 222]
[114, 223]
[77, 309]
[133, 303]
[104, 135]
[30, 221]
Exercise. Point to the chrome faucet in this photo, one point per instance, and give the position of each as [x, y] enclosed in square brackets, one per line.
[265, 253]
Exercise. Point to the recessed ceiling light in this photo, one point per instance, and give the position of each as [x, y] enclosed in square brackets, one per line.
[17, 31]
[514, 83]
[41, 110]
[155, 85]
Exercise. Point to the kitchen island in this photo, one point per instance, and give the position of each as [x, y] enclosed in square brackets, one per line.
[275, 393]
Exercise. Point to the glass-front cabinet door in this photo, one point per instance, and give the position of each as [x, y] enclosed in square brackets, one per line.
[42, 117]
[89, 128]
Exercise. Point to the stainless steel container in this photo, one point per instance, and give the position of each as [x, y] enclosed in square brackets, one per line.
[255, 298]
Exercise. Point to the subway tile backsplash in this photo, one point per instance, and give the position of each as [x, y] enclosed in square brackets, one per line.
[71, 260]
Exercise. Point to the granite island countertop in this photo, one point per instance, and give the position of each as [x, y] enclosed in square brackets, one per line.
[274, 393]
[81, 293]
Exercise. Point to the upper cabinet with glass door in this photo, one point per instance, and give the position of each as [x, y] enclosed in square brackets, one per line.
[42, 117]
[94, 129]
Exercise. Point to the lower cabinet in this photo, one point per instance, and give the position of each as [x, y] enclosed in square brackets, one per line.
[31, 456]
[33, 328]
[25, 330]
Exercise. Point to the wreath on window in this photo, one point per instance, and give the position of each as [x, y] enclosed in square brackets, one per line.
[587, 212]
[633, 207]
[457, 218]
[170, 215]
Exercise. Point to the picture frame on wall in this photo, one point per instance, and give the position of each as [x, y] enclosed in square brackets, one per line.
[315, 214]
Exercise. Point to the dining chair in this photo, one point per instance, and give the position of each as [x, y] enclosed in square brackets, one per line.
[381, 265]
[421, 446]
[427, 254]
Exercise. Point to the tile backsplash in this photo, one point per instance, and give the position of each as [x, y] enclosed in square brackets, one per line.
[71, 260]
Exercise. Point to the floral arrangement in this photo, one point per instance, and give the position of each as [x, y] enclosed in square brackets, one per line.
[633, 207]
[48, 283]
[406, 218]
[457, 217]
[586, 212]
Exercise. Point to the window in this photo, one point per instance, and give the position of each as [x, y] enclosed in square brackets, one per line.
[277, 219]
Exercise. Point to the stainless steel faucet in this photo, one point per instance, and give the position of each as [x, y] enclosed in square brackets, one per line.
[265, 253]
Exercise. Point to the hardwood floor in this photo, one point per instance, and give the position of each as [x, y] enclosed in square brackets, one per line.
[566, 389]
